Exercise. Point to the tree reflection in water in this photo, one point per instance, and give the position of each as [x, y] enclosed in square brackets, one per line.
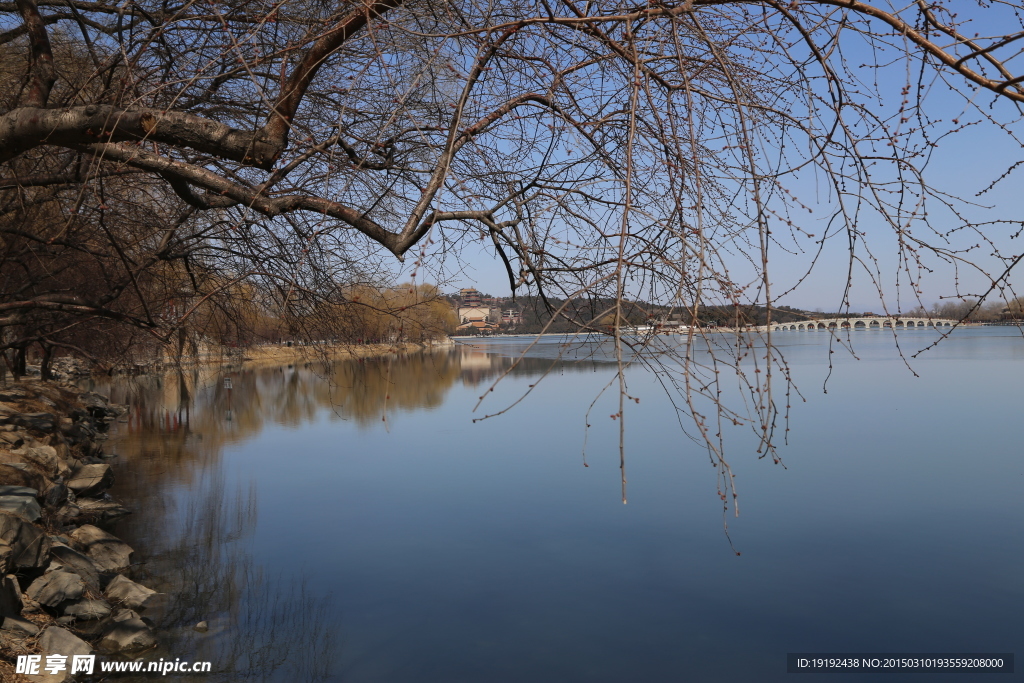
[191, 528]
[261, 628]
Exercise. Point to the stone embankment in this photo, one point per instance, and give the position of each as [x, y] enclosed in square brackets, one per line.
[64, 584]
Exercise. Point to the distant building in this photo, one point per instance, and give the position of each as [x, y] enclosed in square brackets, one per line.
[477, 327]
[474, 308]
[470, 297]
[469, 314]
[667, 323]
[511, 316]
[484, 314]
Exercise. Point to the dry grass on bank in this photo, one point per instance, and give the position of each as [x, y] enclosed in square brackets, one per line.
[278, 354]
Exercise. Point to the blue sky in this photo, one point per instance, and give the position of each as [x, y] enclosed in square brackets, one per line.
[962, 165]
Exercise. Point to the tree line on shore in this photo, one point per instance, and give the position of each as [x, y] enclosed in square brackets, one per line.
[597, 315]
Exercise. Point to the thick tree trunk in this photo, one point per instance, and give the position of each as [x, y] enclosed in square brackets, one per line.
[19, 363]
[44, 364]
[28, 127]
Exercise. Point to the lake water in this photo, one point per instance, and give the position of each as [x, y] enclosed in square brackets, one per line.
[366, 529]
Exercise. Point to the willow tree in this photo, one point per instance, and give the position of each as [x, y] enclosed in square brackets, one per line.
[600, 148]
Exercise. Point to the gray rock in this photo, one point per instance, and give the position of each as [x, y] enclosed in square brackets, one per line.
[138, 598]
[128, 593]
[78, 434]
[59, 677]
[43, 422]
[31, 606]
[74, 561]
[19, 625]
[25, 507]
[108, 552]
[93, 401]
[29, 546]
[89, 480]
[10, 597]
[69, 511]
[104, 510]
[202, 627]
[44, 457]
[55, 495]
[154, 608]
[122, 614]
[88, 609]
[129, 635]
[55, 588]
[18, 491]
[56, 640]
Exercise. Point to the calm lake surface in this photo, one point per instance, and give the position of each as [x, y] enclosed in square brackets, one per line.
[366, 529]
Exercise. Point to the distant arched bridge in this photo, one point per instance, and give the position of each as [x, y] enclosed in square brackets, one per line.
[865, 323]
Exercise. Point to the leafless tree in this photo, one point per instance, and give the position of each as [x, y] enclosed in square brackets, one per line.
[660, 150]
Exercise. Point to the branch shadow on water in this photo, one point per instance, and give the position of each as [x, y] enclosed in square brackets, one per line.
[260, 628]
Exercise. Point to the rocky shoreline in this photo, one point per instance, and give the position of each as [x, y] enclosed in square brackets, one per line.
[64, 580]
[69, 369]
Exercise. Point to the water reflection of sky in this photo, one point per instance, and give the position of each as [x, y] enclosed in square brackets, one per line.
[433, 548]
